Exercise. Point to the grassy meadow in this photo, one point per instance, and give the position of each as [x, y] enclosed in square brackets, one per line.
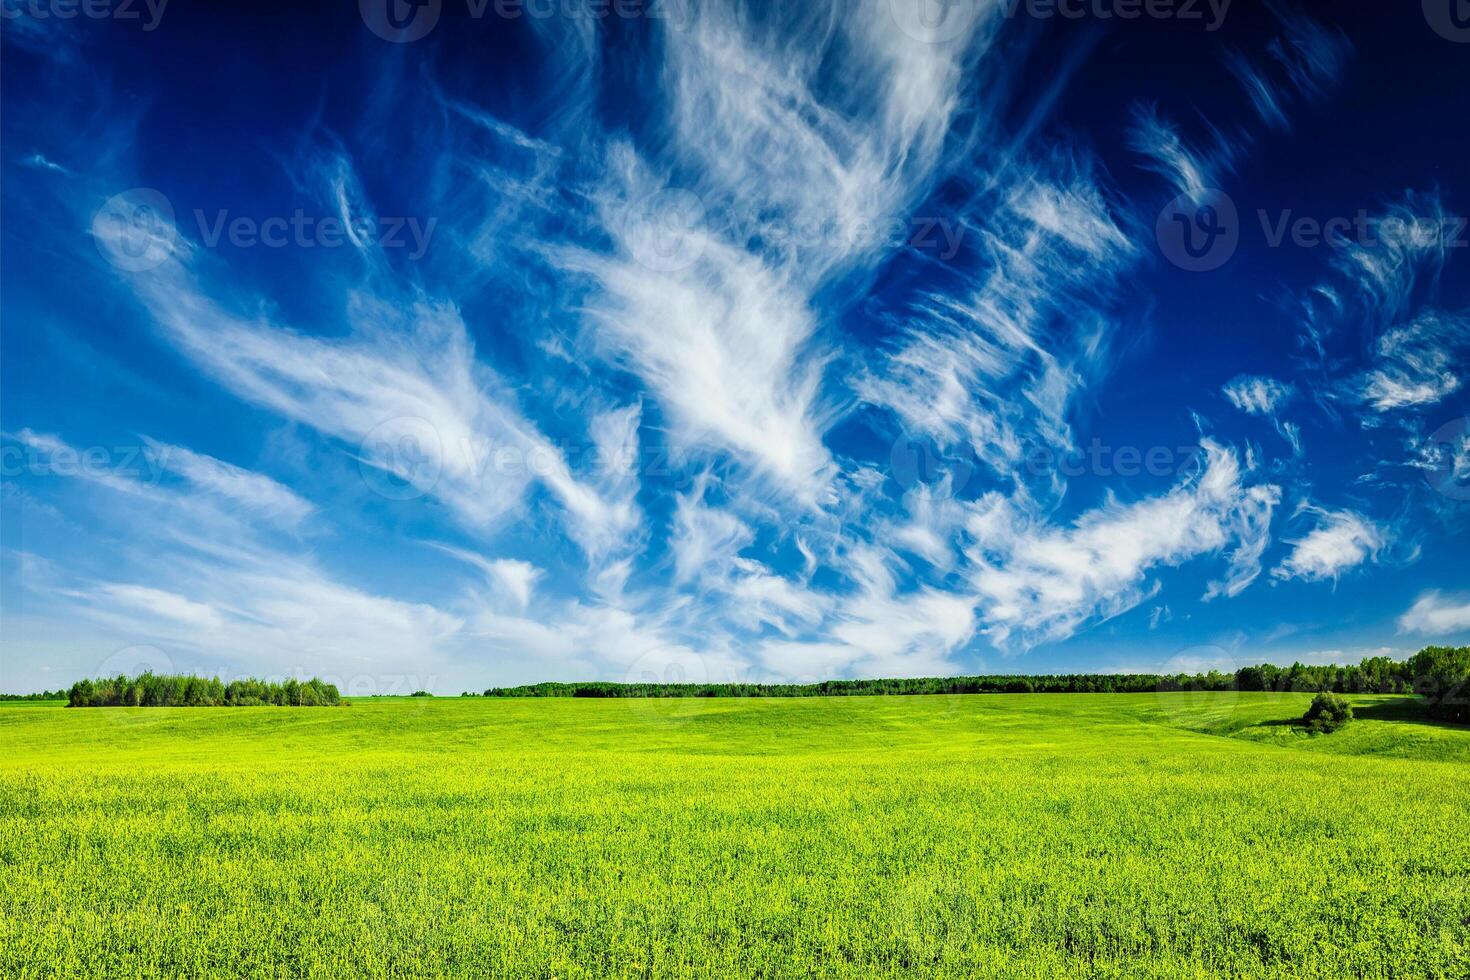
[1168, 835]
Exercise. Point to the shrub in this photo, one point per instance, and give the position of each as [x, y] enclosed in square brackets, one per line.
[1328, 713]
[421, 694]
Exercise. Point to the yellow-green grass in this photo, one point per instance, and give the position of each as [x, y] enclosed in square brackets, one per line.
[1169, 836]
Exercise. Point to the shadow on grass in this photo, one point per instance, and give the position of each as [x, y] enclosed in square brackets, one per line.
[1413, 711]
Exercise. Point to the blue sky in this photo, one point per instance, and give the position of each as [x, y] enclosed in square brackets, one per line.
[780, 342]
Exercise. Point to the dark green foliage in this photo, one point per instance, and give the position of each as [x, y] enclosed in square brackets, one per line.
[1375, 675]
[179, 690]
[38, 696]
[1442, 675]
[1328, 713]
[421, 694]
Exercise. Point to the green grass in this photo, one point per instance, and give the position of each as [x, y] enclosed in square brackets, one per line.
[1019, 836]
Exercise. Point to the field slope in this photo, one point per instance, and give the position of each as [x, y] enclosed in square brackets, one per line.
[1168, 836]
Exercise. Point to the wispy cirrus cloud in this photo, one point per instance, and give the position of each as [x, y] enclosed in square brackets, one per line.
[1340, 541]
[1038, 582]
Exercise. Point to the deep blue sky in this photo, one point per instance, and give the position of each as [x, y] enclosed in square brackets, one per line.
[766, 342]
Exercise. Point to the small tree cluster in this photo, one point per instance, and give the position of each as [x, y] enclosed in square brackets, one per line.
[182, 690]
[1442, 675]
[1328, 713]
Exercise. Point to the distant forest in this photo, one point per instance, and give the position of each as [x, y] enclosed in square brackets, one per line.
[186, 691]
[1442, 674]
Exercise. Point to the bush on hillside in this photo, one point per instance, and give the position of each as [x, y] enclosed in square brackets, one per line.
[179, 690]
[1328, 713]
[1442, 675]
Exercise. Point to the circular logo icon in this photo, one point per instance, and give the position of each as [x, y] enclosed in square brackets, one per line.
[135, 230]
[932, 916]
[1448, 453]
[667, 665]
[921, 464]
[665, 230]
[1449, 18]
[401, 459]
[1199, 234]
[935, 21]
[1186, 694]
[400, 21]
[135, 660]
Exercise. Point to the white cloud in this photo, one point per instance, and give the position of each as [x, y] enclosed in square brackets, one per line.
[253, 491]
[168, 605]
[406, 392]
[1341, 541]
[1191, 171]
[1257, 395]
[1418, 363]
[1434, 614]
[1037, 582]
[705, 539]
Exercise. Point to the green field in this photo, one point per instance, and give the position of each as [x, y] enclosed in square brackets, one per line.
[1170, 835]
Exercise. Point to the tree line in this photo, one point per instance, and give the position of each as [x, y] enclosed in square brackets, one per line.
[187, 691]
[1441, 674]
[57, 695]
